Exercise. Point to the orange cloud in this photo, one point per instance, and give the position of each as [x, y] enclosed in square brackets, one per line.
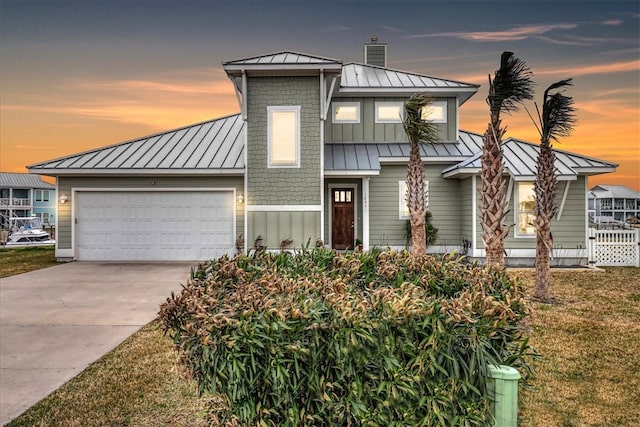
[516, 33]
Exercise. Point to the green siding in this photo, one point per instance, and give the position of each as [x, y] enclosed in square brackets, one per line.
[66, 184]
[386, 229]
[568, 232]
[370, 131]
[283, 186]
[466, 209]
[274, 227]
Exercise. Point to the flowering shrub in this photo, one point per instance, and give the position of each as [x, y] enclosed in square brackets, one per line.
[364, 338]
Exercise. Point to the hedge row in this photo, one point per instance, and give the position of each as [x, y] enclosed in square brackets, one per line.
[375, 338]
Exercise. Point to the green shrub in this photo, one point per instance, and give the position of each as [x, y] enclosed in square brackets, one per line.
[365, 338]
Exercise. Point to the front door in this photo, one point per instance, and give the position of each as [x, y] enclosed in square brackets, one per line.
[342, 218]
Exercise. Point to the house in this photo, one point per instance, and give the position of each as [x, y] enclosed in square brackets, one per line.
[613, 203]
[317, 152]
[23, 195]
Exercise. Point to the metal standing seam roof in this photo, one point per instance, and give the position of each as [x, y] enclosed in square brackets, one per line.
[283, 58]
[520, 159]
[360, 77]
[366, 157]
[23, 180]
[614, 191]
[215, 146]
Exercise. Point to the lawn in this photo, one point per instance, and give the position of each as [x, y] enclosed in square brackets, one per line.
[18, 260]
[588, 377]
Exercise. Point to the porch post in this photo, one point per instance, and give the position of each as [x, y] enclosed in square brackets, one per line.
[365, 213]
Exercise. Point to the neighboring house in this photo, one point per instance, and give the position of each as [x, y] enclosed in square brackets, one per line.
[613, 202]
[22, 195]
[317, 152]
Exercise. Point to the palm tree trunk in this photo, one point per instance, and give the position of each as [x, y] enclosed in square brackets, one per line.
[545, 190]
[415, 201]
[493, 208]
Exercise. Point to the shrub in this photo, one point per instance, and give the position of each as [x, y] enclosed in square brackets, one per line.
[375, 338]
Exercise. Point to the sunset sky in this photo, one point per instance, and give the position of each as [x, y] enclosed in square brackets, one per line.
[76, 75]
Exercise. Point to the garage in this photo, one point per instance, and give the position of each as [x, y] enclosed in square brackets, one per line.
[163, 225]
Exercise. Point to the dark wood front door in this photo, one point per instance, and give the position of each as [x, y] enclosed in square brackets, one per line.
[342, 218]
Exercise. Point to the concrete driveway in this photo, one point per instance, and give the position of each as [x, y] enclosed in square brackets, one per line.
[56, 321]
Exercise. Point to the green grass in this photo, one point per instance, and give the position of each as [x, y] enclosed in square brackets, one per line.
[589, 340]
[23, 259]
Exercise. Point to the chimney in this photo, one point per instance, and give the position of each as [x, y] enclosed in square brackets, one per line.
[374, 53]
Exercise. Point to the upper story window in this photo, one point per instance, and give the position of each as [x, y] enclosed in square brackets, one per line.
[284, 136]
[435, 112]
[389, 112]
[346, 112]
[42, 195]
[525, 204]
[402, 202]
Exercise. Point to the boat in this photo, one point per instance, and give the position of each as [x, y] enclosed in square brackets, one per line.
[27, 231]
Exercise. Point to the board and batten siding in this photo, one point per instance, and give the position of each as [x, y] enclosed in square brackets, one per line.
[274, 227]
[370, 131]
[386, 229]
[66, 184]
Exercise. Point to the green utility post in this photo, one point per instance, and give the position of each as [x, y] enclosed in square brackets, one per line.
[503, 390]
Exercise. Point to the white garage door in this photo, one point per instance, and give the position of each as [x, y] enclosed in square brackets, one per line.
[154, 226]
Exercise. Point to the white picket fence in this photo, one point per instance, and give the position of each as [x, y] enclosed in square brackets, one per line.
[614, 247]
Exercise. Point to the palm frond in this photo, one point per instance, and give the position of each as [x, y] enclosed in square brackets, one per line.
[418, 130]
[558, 112]
[511, 85]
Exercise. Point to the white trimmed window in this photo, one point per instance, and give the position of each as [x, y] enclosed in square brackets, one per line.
[42, 195]
[346, 112]
[402, 199]
[283, 131]
[435, 112]
[389, 112]
[525, 214]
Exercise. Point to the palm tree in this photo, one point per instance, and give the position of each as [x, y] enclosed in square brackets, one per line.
[418, 132]
[510, 86]
[557, 120]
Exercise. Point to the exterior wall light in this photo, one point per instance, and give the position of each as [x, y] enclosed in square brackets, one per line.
[240, 199]
[63, 198]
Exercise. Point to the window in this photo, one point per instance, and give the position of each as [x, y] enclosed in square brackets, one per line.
[44, 217]
[525, 203]
[346, 112]
[42, 195]
[389, 112]
[435, 112]
[402, 201]
[284, 136]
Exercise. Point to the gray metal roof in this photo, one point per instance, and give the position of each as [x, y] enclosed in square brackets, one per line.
[283, 63]
[284, 57]
[614, 191]
[212, 147]
[520, 159]
[365, 158]
[366, 78]
[23, 180]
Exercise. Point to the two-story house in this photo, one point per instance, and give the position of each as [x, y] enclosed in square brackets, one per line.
[24, 195]
[613, 202]
[317, 152]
